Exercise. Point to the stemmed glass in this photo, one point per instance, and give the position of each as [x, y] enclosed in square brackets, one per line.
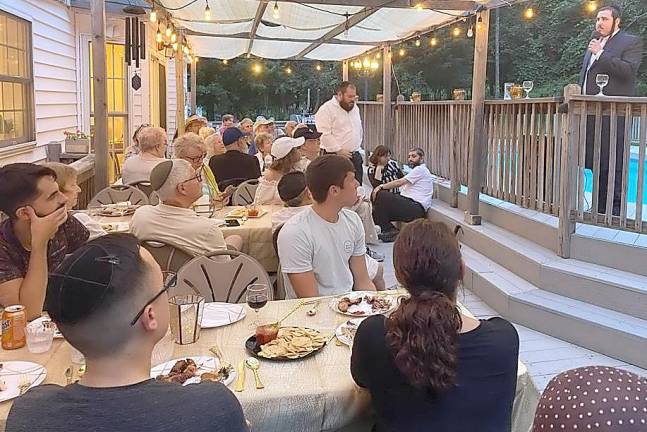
[256, 298]
[528, 86]
[601, 80]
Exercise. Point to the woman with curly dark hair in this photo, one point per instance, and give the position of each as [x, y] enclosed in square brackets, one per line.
[427, 366]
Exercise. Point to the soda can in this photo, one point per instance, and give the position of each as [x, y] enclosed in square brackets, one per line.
[14, 321]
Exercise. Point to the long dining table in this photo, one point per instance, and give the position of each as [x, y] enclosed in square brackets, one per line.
[255, 232]
[308, 395]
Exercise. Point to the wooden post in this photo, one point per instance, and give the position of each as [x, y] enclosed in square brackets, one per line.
[100, 139]
[194, 88]
[570, 171]
[478, 139]
[179, 85]
[344, 70]
[386, 92]
[453, 157]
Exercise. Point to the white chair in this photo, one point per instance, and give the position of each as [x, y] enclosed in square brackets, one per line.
[222, 281]
[118, 193]
[245, 193]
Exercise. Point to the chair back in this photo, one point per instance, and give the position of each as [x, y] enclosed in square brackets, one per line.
[144, 186]
[222, 281]
[170, 258]
[118, 193]
[154, 199]
[245, 193]
[279, 285]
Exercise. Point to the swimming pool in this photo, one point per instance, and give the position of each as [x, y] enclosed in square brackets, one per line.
[632, 191]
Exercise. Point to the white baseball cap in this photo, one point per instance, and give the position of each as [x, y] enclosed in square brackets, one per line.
[282, 146]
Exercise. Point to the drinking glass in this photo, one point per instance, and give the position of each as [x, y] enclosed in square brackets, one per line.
[39, 336]
[528, 86]
[601, 80]
[186, 316]
[256, 298]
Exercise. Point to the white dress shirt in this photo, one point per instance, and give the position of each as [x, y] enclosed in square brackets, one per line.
[595, 57]
[341, 129]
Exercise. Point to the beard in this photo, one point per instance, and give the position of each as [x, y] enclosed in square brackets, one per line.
[414, 164]
[347, 106]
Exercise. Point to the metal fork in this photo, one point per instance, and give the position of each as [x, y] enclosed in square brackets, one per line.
[216, 352]
[24, 384]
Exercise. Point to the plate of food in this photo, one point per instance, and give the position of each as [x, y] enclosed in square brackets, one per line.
[218, 314]
[248, 213]
[362, 304]
[116, 227]
[116, 210]
[346, 331]
[192, 370]
[292, 343]
[46, 319]
[16, 377]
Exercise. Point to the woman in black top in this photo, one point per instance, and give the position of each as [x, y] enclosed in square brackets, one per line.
[382, 168]
[428, 367]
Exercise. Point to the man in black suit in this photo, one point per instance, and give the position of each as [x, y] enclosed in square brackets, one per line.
[617, 54]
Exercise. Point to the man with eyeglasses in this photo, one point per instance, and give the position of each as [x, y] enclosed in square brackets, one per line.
[109, 301]
[173, 221]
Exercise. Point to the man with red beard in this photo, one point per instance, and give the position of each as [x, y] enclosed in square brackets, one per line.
[339, 123]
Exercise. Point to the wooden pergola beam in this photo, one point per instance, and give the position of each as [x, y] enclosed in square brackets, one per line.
[246, 35]
[347, 24]
[257, 21]
[99, 80]
[406, 4]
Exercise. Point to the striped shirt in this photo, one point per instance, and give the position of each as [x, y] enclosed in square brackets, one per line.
[386, 174]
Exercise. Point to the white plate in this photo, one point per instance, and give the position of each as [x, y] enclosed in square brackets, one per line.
[205, 364]
[12, 373]
[363, 309]
[343, 337]
[57, 332]
[221, 314]
[116, 227]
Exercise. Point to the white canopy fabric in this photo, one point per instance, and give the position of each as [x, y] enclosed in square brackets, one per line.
[301, 30]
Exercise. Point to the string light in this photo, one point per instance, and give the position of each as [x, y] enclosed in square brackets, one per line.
[419, 6]
[185, 49]
[375, 65]
[249, 55]
[195, 59]
[288, 70]
[275, 11]
[158, 36]
[402, 52]
[366, 63]
[529, 13]
[318, 67]
[173, 38]
[433, 41]
[153, 16]
[169, 30]
[225, 61]
[457, 31]
[174, 46]
[390, 54]
[257, 68]
[479, 23]
[207, 11]
[346, 26]
[418, 41]
[378, 55]
[592, 6]
[470, 32]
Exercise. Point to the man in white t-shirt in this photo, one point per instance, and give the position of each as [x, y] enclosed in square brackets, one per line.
[322, 248]
[416, 190]
[173, 221]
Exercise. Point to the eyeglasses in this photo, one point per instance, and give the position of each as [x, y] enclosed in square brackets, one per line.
[196, 159]
[198, 177]
[170, 283]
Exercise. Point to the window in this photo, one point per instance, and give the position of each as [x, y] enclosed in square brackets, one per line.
[16, 81]
[116, 74]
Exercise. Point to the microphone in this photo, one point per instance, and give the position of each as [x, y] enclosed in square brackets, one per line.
[596, 35]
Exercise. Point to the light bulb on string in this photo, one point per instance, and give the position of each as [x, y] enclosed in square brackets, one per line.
[366, 63]
[479, 22]
[457, 31]
[318, 67]
[470, 32]
[378, 55]
[433, 41]
[158, 36]
[592, 6]
[173, 38]
[169, 30]
[207, 12]
[346, 26]
[288, 70]
[256, 68]
[375, 65]
[418, 42]
[225, 61]
[529, 13]
[275, 11]
[153, 15]
[195, 59]
[402, 52]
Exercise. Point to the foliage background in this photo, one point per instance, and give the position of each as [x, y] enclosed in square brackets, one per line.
[548, 50]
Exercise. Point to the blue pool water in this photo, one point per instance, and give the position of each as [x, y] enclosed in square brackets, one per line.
[633, 181]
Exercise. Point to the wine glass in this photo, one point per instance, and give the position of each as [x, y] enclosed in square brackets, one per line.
[256, 298]
[601, 80]
[528, 86]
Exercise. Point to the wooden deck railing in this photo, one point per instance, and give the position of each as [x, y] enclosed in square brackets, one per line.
[85, 180]
[536, 152]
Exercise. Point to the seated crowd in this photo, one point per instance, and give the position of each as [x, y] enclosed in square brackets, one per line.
[427, 366]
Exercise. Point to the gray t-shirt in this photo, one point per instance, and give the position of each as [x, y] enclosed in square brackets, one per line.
[307, 242]
[147, 406]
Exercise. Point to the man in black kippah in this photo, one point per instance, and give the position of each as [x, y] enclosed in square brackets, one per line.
[109, 301]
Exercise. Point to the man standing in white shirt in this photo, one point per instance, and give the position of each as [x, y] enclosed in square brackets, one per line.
[416, 191]
[340, 124]
[322, 248]
[173, 221]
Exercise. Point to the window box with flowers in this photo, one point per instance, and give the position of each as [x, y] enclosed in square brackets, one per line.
[77, 142]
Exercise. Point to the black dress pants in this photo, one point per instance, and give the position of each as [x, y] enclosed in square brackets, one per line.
[390, 207]
[604, 159]
[358, 164]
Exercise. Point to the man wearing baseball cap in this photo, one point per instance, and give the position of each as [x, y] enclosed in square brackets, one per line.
[109, 301]
[235, 166]
[311, 149]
